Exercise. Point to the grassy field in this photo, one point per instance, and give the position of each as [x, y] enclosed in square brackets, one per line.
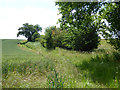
[32, 66]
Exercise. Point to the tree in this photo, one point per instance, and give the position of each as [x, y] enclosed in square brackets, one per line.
[49, 37]
[35, 36]
[111, 13]
[78, 19]
[30, 31]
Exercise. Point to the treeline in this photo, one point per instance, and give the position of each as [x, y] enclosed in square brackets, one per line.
[80, 26]
[55, 37]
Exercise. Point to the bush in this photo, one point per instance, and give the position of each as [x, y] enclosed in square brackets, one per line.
[42, 41]
[49, 38]
[80, 40]
[86, 40]
[115, 43]
[66, 40]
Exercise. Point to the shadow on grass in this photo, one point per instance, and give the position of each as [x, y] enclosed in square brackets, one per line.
[102, 69]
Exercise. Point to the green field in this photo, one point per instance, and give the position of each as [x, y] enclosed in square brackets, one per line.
[32, 66]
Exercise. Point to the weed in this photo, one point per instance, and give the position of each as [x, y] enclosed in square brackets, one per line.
[55, 81]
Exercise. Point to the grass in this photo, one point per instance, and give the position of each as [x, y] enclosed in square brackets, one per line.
[22, 65]
[102, 69]
[18, 63]
[10, 47]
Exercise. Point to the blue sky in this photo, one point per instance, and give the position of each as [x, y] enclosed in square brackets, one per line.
[14, 13]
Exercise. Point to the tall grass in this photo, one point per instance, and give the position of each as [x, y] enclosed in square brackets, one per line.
[28, 67]
[55, 80]
[60, 68]
[102, 69]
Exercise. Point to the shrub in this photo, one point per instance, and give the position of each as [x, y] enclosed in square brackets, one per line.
[86, 40]
[115, 43]
[49, 38]
[42, 40]
[80, 40]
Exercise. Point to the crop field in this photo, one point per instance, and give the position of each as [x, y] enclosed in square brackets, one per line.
[30, 65]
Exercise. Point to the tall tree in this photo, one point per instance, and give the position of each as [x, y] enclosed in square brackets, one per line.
[78, 20]
[29, 31]
[111, 13]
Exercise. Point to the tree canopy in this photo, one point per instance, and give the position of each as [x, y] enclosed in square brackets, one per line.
[31, 32]
[78, 20]
[84, 21]
[111, 13]
[80, 26]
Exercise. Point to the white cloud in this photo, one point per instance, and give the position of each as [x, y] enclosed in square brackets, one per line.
[13, 18]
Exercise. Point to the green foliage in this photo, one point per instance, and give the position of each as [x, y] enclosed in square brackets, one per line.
[29, 31]
[42, 40]
[69, 40]
[115, 43]
[54, 37]
[33, 45]
[111, 12]
[35, 36]
[98, 71]
[49, 37]
[84, 40]
[66, 40]
[55, 81]
[78, 20]
[56, 34]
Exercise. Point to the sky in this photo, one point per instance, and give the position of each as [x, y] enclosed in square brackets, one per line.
[14, 13]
